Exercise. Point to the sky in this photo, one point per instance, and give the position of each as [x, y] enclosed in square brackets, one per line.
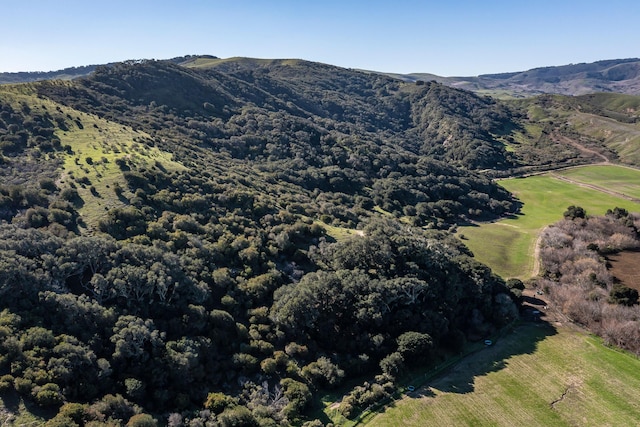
[447, 38]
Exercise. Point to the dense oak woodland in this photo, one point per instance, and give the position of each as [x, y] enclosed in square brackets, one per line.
[212, 293]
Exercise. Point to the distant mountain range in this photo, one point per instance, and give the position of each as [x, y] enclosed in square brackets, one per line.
[615, 75]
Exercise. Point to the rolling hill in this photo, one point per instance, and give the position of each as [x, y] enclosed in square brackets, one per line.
[613, 76]
[221, 240]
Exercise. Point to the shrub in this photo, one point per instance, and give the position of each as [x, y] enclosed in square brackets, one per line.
[219, 402]
[23, 386]
[6, 383]
[623, 295]
[77, 412]
[61, 421]
[238, 416]
[142, 420]
[48, 395]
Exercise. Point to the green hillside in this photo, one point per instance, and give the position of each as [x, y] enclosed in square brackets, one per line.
[224, 241]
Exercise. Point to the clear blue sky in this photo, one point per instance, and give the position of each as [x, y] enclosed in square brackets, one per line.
[448, 38]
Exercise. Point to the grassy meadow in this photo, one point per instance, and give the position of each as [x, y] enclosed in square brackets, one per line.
[536, 376]
[622, 180]
[508, 246]
[95, 148]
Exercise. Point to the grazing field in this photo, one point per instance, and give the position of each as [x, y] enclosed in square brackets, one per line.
[508, 246]
[536, 376]
[622, 180]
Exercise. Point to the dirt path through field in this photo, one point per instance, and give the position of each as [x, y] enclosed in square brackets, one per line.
[536, 254]
[594, 187]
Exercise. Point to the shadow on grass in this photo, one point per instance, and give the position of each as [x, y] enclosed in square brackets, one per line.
[523, 339]
[533, 301]
[17, 406]
[457, 374]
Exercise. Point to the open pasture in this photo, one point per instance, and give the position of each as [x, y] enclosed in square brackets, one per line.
[624, 267]
[619, 179]
[508, 246]
[565, 378]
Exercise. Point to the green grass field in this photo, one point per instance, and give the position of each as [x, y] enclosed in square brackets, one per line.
[619, 179]
[536, 376]
[508, 246]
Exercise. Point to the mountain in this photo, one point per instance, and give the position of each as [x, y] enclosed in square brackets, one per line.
[222, 241]
[32, 76]
[618, 75]
[69, 73]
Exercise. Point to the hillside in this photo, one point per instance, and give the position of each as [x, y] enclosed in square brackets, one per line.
[189, 242]
[221, 241]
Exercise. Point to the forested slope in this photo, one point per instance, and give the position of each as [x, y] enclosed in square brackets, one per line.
[164, 245]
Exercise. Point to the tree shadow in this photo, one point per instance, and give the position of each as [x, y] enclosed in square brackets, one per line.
[533, 301]
[479, 359]
[11, 401]
[523, 339]
[16, 405]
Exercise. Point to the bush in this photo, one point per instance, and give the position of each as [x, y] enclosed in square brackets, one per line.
[393, 364]
[142, 420]
[61, 421]
[48, 395]
[6, 383]
[237, 417]
[77, 412]
[415, 347]
[69, 194]
[116, 407]
[219, 402]
[23, 386]
[623, 295]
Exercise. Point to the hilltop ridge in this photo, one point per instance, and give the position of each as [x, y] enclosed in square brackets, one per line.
[613, 75]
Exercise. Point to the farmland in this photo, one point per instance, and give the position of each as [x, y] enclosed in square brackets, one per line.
[621, 180]
[508, 246]
[541, 374]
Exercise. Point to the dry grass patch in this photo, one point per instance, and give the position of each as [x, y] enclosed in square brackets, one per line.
[624, 267]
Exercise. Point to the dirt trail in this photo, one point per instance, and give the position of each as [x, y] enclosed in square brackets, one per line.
[594, 187]
[581, 147]
[536, 254]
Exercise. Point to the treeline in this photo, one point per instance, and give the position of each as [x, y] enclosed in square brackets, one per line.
[576, 274]
[262, 113]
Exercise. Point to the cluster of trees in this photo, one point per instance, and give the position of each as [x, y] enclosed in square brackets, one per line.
[573, 257]
[20, 129]
[92, 320]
